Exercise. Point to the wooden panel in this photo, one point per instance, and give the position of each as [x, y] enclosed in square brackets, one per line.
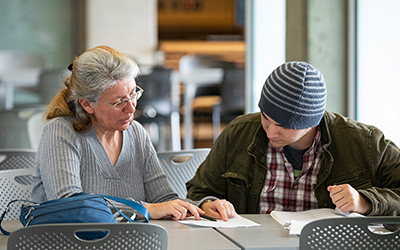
[230, 51]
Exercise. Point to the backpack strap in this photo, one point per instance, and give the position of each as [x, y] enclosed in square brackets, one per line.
[5, 232]
[135, 205]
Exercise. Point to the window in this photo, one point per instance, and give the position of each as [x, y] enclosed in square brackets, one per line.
[378, 65]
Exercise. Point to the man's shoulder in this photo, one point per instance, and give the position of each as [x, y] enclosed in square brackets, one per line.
[248, 118]
[335, 120]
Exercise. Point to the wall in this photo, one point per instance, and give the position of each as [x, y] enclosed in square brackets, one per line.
[44, 27]
[316, 33]
[128, 26]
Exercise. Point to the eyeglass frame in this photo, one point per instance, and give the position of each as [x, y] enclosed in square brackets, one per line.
[126, 100]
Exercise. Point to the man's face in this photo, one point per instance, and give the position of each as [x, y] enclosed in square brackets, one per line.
[279, 136]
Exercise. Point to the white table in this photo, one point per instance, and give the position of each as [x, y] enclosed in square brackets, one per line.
[192, 80]
[10, 226]
[186, 237]
[271, 234]
[23, 77]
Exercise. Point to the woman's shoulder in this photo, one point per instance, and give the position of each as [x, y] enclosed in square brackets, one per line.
[138, 135]
[137, 129]
[61, 121]
[60, 125]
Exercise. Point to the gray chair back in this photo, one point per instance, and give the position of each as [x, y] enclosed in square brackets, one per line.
[349, 233]
[15, 184]
[64, 236]
[14, 127]
[181, 166]
[17, 158]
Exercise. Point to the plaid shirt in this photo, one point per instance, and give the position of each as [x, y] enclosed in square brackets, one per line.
[282, 192]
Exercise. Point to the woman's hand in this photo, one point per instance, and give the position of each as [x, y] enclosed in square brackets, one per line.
[175, 209]
[219, 209]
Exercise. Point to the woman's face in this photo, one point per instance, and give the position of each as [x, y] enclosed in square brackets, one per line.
[105, 117]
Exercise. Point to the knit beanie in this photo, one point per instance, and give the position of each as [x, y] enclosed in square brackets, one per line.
[294, 95]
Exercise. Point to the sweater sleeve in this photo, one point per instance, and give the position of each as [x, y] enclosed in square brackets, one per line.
[58, 159]
[157, 188]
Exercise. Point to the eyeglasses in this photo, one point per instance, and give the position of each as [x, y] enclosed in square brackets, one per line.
[123, 102]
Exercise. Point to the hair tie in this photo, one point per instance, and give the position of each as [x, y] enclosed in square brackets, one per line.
[70, 67]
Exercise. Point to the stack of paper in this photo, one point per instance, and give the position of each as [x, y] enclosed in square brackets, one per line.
[295, 221]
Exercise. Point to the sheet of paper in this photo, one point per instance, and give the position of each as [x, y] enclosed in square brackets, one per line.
[284, 217]
[295, 221]
[237, 221]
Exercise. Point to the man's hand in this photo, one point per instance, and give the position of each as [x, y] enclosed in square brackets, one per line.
[219, 209]
[346, 198]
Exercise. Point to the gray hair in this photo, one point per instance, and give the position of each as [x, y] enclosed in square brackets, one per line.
[95, 71]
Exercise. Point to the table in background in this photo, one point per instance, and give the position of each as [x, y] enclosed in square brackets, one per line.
[229, 51]
[26, 77]
[191, 81]
[271, 234]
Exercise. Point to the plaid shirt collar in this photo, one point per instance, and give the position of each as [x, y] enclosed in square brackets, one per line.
[281, 190]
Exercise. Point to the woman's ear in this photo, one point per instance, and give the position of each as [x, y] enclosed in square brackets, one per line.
[86, 106]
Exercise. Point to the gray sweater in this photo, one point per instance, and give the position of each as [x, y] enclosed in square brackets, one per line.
[69, 162]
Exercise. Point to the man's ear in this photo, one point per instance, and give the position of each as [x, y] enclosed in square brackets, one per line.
[86, 106]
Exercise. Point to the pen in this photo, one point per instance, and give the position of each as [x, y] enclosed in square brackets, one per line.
[207, 217]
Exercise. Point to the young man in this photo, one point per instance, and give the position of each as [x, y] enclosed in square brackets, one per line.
[296, 156]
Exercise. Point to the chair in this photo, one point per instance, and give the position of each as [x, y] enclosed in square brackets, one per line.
[155, 107]
[36, 124]
[349, 233]
[18, 70]
[15, 184]
[202, 76]
[17, 159]
[192, 63]
[232, 99]
[14, 127]
[63, 236]
[50, 82]
[180, 167]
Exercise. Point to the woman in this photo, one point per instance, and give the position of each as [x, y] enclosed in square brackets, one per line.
[92, 144]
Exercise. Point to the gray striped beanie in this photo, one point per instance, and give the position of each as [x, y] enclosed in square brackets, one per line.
[294, 95]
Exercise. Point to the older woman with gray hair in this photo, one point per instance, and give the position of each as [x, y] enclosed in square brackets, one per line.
[92, 144]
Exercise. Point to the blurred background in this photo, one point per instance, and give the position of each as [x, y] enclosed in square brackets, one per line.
[203, 62]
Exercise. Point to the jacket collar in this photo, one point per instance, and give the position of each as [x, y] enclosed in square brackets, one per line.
[258, 146]
[325, 134]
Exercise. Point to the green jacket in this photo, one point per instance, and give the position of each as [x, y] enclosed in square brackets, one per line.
[353, 153]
